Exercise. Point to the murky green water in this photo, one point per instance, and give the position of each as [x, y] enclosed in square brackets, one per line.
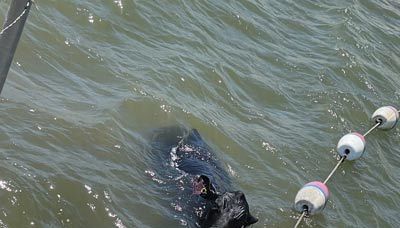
[271, 86]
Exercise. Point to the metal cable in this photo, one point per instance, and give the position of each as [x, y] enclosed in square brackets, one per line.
[16, 19]
[334, 169]
[301, 218]
[344, 157]
[372, 128]
[326, 180]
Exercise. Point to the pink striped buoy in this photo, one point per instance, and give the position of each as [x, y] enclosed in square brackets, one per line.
[351, 145]
[312, 197]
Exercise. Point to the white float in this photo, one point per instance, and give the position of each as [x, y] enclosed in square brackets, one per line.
[387, 116]
[351, 145]
[312, 198]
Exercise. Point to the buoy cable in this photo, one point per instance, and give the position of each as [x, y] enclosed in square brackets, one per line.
[344, 157]
[345, 154]
[301, 218]
[350, 147]
[334, 169]
[372, 128]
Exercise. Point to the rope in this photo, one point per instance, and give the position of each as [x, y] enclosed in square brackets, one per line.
[334, 169]
[378, 122]
[344, 157]
[301, 218]
[372, 128]
[16, 19]
[325, 181]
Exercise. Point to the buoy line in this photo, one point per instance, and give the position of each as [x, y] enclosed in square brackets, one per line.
[344, 157]
[313, 196]
[334, 169]
[301, 218]
[373, 128]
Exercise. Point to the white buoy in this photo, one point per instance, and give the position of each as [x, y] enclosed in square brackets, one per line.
[312, 198]
[351, 145]
[387, 116]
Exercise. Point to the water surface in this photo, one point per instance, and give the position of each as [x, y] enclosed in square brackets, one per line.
[270, 85]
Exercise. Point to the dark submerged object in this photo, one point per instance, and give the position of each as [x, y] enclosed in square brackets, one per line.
[9, 39]
[189, 161]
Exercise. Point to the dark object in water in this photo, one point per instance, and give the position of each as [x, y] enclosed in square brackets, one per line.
[189, 160]
[12, 29]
